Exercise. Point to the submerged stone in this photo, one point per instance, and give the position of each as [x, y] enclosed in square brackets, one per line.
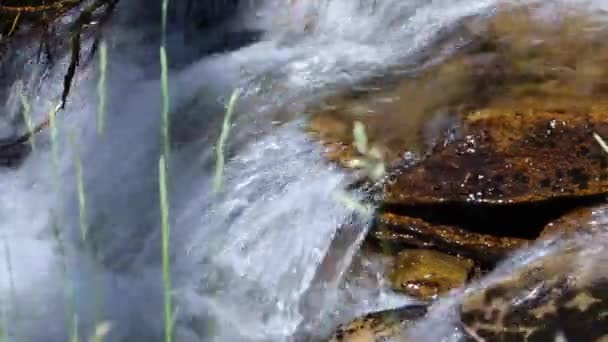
[426, 274]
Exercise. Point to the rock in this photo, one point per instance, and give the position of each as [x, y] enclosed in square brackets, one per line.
[562, 294]
[378, 326]
[400, 232]
[511, 155]
[426, 274]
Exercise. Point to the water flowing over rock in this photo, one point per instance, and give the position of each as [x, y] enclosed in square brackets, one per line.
[294, 244]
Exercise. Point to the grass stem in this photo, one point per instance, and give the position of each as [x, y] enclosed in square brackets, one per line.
[219, 148]
[12, 287]
[601, 141]
[101, 87]
[82, 204]
[162, 178]
[165, 6]
[4, 322]
[67, 285]
[166, 264]
[164, 83]
[28, 120]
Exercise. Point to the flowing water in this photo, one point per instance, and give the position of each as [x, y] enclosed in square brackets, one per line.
[246, 260]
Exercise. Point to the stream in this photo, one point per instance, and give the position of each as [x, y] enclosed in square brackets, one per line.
[262, 260]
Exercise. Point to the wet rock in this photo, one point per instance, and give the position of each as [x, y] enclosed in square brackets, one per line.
[379, 326]
[426, 274]
[404, 114]
[509, 155]
[519, 63]
[559, 293]
[581, 220]
[514, 171]
[563, 294]
[398, 232]
[512, 158]
[12, 154]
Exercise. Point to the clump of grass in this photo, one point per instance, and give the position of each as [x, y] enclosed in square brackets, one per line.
[101, 87]
[219, 148]
[166, 263]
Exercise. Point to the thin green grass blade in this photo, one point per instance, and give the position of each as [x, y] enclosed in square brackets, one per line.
[12, 289]
[101, 87]
[601, 141]
[101, 331]
[28, 120]
[219, 149]
[164, 80]
[164, 83]
[4, 316]
[166, 264]
[162, 179]
[67, 285]
[82, 202]
[164, 9]
[54, 150]
[74, 335]
[98, 335]
[360, 137]
[4, 320]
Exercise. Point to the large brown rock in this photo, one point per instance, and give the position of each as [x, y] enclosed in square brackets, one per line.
[512, 155]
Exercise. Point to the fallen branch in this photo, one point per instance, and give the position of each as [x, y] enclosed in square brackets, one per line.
[39, 8]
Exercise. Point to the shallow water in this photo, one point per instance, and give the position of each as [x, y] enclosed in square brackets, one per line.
[253, 263]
